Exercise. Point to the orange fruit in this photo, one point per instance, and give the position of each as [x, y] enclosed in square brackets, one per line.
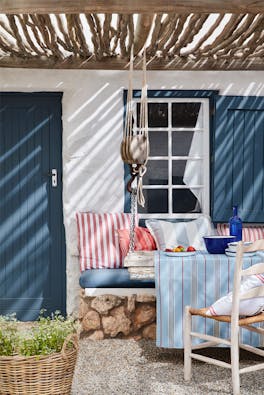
[177, 249]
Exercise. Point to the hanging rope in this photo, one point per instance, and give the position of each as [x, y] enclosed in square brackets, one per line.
[143, 129]
[135, 145]
[133, 220]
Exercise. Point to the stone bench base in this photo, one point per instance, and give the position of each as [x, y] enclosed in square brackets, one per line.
[109, 316]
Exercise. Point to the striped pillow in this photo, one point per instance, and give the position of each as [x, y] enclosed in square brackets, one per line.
[98, 240]
[190, 233]
[143, 240]
[249, 233]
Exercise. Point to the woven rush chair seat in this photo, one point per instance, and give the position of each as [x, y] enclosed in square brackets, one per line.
[227, 318]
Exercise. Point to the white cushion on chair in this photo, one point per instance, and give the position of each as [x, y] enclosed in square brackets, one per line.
[247, 307]
[189, 233]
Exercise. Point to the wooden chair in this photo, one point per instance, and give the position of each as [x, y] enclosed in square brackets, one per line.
[235, 321]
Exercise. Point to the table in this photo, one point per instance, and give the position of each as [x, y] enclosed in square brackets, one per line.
[197, 280]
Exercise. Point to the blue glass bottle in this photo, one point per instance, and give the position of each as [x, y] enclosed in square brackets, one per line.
[235, 225]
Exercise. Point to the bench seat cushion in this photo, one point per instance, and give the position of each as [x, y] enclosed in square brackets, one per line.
[112, 278]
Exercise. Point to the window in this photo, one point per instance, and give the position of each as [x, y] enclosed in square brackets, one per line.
[176, 183]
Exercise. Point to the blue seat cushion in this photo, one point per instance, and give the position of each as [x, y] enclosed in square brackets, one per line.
[112, 278]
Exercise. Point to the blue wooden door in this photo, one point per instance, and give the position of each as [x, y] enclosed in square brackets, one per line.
[32, 243]
[238, 171]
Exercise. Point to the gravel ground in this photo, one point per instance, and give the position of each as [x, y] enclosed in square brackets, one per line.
[127, 367]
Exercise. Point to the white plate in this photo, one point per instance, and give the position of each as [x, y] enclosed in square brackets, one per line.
[233, 254]
[233, 246]
[175, 254]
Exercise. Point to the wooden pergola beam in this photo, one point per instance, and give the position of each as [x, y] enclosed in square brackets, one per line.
[143, 26]
[130, 6]
[121, 64]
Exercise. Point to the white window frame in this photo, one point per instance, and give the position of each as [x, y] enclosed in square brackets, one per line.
[205, 186]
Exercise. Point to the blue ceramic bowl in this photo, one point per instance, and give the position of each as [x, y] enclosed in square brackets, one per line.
[217, 244]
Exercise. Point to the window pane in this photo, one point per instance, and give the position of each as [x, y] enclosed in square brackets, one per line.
[158, 143]
[156, 201]
[181, 143]
[184, 201]
[186, 172]
[157, 115]
[187, 143]
[185, 114]
[157, 173]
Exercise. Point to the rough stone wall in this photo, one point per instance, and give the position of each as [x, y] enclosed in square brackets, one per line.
[109, 316]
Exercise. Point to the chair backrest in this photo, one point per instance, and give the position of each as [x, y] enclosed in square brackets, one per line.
[239, 273]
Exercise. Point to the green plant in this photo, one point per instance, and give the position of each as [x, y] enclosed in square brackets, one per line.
[8, 335]
[43, 337]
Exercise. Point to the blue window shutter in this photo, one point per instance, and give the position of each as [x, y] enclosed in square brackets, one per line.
[238, 162]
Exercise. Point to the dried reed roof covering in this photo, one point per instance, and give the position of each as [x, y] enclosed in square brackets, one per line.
[191, 41]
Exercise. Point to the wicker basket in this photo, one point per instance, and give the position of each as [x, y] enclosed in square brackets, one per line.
[40, 375]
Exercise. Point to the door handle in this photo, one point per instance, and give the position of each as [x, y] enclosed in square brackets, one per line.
[54, 178]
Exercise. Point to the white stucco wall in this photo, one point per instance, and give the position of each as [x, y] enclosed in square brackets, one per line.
[92, 130]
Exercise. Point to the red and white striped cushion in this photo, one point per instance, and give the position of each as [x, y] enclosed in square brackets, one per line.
[249, 233]
[98, 240]
[144, 241]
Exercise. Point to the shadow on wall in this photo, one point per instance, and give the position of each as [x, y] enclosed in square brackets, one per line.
[93, 170]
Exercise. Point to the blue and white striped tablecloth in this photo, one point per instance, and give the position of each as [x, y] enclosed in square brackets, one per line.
[197, 280]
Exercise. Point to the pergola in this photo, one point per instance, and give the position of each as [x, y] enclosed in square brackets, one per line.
[178, 35]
